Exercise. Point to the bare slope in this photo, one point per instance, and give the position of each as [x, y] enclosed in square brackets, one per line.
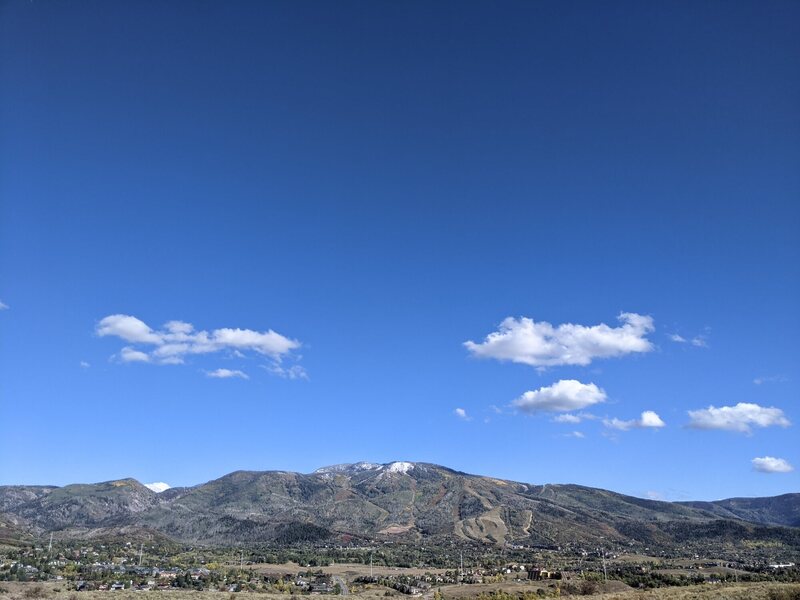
[398, 501]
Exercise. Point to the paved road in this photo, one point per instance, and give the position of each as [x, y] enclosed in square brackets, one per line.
[342, 584]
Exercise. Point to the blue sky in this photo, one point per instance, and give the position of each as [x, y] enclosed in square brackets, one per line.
[377, 184]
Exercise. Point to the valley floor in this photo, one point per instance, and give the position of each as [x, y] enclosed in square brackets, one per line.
[745, 591]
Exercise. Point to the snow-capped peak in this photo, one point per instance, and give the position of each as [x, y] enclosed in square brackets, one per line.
[399, 467]
[348, 468]
[158, 486]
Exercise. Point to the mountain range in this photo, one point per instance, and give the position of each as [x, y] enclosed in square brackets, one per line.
[401, 501]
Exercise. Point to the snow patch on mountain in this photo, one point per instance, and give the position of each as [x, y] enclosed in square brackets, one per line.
[158, 486]
[399, 467]
[348, 468]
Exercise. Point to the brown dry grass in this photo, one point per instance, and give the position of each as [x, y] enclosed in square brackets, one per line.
[754, 591]
[347, 570]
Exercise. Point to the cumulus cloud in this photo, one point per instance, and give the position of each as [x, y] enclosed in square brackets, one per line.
[158, 486]
[541, 345]
[648, 420]
[563, 396]
[740, 418]
[128, 328]
[128, 354]
[677, 338]
[227, 374]
[770, 464]
[177, 340]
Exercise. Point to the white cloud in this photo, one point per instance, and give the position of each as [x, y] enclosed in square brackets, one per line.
[3, 305]
[770, 464]
[575, 434]
[158, 486]
[461, 414]
[770, 379]
[574, 417]
[84, 364]
[292, 372]
[128, 328]
[227, 374]
[648, 420]
[699, 341]
[739, 418]
[563, 396]
[178, 339]
[543, 345]
[567, 418]
[128, 354]
[654, 495]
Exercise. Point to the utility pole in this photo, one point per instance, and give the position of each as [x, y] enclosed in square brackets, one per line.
[241, 564]
[605, 574]
[370, 565]
[50, 546]
[462, 564]
[141, 551]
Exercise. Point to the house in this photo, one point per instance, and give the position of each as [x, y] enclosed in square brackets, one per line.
[537, 574]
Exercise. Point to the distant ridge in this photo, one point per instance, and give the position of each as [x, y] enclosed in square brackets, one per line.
[399, 501]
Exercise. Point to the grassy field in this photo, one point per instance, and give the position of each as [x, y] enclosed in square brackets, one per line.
[613, 591]
[347, 570]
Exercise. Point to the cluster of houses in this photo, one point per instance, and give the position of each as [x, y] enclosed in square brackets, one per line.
[316, 584]
[158, 579]
[419, 584]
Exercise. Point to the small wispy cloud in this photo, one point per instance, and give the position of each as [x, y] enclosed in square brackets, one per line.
[227, 374]
[575, 434]
[4, 306]
[292, 372]
[740, 418]
[648, 420]
[461, 414]
[698, 341]
[574, 417]
[770, 464]
[567, 418]
[769, 379]
[84, 364]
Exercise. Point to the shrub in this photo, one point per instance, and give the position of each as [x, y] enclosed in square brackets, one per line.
[587, 587]
[789, 593]
[36, 591]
